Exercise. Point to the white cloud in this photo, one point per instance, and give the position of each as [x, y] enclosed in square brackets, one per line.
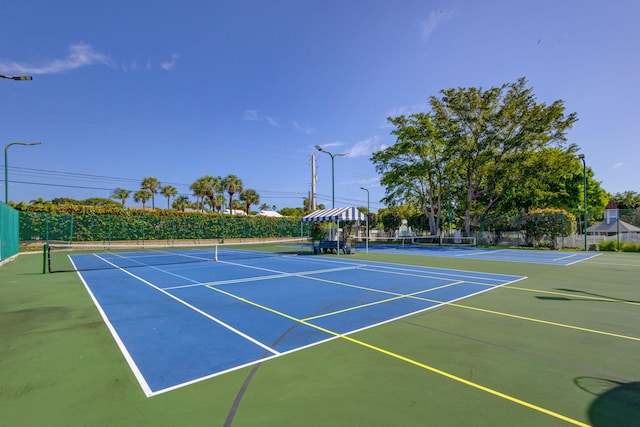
[365, 147]
[303, 127]
[254, 115]
[168, 65]
[435, 18]
[618, 165]
[80, 55]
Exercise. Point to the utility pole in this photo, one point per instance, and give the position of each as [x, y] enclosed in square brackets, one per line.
[314, 178]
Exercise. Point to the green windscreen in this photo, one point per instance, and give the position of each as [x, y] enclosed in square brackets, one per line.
[9, 242]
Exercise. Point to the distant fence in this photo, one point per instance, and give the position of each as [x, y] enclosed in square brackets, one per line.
[9, 240]
[542, 228]
[47, 226]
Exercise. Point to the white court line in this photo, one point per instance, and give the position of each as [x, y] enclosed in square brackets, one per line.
[482, 253]
[196, 309]
[565, 257]
[248, 279]
[583, 259]
[127, 356]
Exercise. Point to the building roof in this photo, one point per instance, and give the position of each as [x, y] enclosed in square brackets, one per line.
[272, 214]
[613, 227]
[337, 214]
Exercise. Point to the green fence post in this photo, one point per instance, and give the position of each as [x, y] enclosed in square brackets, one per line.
[71, 230]
[44, 257]
[46, 226]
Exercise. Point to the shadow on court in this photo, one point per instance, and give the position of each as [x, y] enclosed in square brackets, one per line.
[585, 296]
[617, 403]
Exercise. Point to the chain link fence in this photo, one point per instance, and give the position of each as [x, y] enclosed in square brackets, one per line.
[543, 228]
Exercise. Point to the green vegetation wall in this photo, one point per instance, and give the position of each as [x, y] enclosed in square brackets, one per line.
[161, 225]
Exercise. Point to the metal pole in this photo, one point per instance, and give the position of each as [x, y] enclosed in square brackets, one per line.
[333, 156]
[6, 166]
[368, 209]
[584, 184]
[4, 76]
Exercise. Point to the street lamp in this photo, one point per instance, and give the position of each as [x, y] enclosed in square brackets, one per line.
[4, 76]
[6, 167]
[584, 184]
[367, 243]
[333, 156]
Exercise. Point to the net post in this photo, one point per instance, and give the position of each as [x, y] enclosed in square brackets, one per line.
[45, 253]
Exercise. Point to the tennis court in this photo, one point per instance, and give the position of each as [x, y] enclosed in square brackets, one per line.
[213, 317]
[384, 338]
[492, 254]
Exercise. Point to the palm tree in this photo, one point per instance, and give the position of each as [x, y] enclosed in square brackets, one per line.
[169, 191]
[219, 202]
[205, 188]
[232, 184]
[199, 191]
[249, 197]
[152, 184]
[121, 194]
[264, 207]
[211, 186]
[142, 196]
[180, 203]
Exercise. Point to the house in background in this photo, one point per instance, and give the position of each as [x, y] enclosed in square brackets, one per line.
[613, 225]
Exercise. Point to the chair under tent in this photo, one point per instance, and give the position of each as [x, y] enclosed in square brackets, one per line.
[334, 243]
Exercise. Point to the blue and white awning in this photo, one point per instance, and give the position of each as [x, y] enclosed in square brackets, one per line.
[336, 214]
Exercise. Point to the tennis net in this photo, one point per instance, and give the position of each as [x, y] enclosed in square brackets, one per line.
[442, 240]
[408, 242]
[61, 257]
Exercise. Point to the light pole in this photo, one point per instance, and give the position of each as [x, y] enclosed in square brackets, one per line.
[4, 76]
[367, 242]
[333, 156]
[584, 184]
[6, 167]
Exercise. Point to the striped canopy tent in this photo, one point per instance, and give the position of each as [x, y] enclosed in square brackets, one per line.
[337, 214]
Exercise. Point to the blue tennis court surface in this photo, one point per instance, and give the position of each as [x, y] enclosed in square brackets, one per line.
[492, 254]
[180, 323]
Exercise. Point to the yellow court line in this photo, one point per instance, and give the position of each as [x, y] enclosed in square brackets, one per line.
[497, 313]
[411, 361]
[546, 322]
[396, 297]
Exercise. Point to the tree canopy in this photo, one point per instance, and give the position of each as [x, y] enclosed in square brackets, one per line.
[480, 151]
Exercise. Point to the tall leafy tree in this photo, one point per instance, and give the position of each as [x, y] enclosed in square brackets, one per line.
[121, 194]
[168, 191]
[153, 185]
[232, 184]
[249, 197]
[142, 196]
[627, 200]
[490, 132]
[414, 169]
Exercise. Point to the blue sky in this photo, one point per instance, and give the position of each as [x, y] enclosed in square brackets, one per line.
[179, 89]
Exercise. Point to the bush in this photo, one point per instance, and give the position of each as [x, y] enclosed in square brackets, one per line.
[543, 226]
[630, 247]
[608, 245]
